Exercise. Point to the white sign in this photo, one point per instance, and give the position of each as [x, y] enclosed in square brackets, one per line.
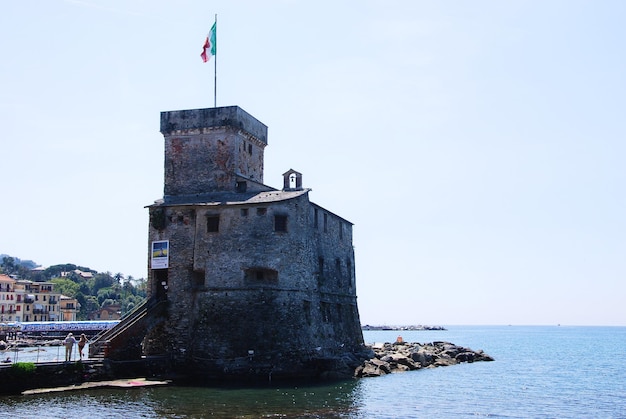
[160, 254]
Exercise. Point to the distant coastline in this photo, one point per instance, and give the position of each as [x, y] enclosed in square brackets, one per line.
[414, 327]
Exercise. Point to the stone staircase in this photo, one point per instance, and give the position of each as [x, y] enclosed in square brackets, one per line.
[123, 340]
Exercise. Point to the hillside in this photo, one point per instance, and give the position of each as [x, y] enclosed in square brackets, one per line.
[92, 289]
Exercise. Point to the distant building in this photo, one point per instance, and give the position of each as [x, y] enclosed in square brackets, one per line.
[28, 301]
[8, 309]
[68, 307]
[78, 272]
[110, 312]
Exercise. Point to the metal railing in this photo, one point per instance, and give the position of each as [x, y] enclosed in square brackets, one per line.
[103, 339]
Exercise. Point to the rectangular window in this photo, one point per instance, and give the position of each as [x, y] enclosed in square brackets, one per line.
[198, 279]
[261, 275]
[244, 212]
[315, 217]
[349, 268]
[306, 306]
[280, 223]
[242, 186]
[212, 223]
[325, 222]
[325, 308]
[261, 211]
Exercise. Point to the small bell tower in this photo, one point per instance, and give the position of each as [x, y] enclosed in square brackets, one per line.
[292, 180]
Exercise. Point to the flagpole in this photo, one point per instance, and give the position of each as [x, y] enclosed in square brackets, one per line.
[215, 71]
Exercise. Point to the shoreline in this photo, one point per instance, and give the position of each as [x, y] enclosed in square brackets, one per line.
[418, 327]
[385, 358]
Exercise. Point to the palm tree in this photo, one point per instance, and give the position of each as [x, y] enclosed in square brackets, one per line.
[119, 277]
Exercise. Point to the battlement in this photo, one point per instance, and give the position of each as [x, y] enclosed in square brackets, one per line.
[173, 122]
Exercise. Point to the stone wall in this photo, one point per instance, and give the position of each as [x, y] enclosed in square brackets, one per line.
[206, 149]
[248, 287]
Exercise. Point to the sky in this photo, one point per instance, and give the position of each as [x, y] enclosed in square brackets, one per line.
[478, 147]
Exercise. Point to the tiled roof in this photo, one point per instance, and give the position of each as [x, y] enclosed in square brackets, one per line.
[232, 198]
[4, 277]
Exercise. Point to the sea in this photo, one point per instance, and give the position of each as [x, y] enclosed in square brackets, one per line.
[538, 372]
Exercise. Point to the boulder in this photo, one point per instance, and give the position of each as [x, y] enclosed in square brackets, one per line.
[403, 356]
[465, 357]
[372, 368]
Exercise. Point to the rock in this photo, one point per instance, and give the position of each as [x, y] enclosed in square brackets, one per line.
[466, 357]
[381, 365]
[373, 368]
[403, 356]
[444, 362]
[401, 368]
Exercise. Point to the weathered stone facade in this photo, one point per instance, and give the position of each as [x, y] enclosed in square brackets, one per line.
[259, 281]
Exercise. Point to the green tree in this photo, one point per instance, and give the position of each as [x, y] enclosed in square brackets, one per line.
[91, 304]
[106, 294]
[84, 288]
[8, 265]
[102, 280]
[141, 285]
[66, 287]
[55, 271]
[119, 277]
[108, 302]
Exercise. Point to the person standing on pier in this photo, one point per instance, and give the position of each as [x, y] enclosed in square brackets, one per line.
[69, 345]
[81, 345]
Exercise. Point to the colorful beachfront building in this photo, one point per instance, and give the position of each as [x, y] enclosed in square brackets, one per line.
[28, 301]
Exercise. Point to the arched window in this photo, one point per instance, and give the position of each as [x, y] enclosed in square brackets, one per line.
[292, 181]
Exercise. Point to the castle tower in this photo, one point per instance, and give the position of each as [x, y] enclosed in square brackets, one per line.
[257, 281]
[210, 150]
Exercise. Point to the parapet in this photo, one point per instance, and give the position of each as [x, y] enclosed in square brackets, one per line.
[228, 116]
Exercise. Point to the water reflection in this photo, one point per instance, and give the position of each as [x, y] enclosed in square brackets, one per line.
[334, 400]
[341, 399]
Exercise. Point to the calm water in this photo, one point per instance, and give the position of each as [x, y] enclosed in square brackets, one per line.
[539, 372]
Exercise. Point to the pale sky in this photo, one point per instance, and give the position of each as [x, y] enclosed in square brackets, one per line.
[477, 146]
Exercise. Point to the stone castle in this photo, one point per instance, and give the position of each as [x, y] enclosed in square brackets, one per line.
[251, 280]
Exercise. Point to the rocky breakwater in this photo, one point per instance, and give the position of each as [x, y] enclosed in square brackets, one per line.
[405, 356]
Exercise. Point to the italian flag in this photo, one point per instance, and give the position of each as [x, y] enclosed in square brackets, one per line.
[209, 44]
